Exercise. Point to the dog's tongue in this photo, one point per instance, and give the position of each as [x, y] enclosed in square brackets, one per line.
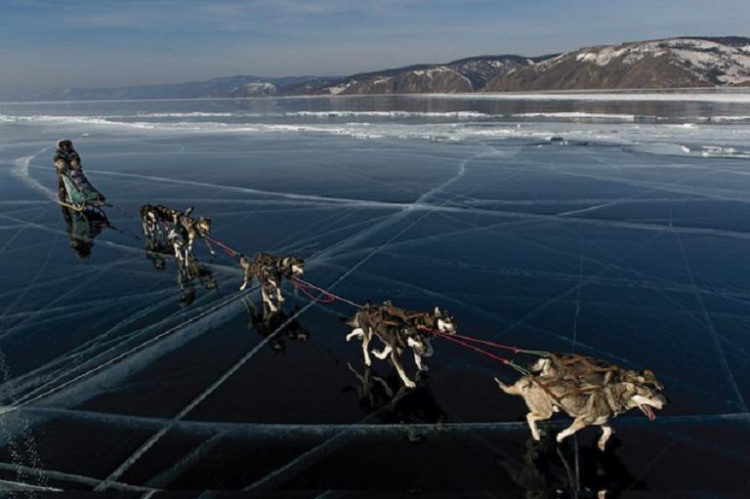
[648, 411]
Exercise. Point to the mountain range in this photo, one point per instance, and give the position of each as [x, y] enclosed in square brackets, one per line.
[683, 62]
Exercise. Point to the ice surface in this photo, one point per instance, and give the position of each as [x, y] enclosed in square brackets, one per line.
[627, 241]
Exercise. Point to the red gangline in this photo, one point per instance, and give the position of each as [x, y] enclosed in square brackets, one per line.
[472, 347]
[325, 296]
[491, 355]
[229, 251]
[486, 342]
[333, 297]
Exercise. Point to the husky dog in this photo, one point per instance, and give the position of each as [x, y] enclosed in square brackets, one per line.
[592, 371]
[269, 270]
[193, 229]
[398, 329]
[161, 223]
[177, 241]
[155, 218]
[588, 405]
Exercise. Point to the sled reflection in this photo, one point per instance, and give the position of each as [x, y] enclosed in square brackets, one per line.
[83, 227]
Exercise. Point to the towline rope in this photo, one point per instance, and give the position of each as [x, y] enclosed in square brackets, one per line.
[329, 297]
[514, 349]
[491, 355]
[326, 297]
[226, 249]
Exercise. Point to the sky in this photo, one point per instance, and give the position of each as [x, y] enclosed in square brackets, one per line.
[109, 43]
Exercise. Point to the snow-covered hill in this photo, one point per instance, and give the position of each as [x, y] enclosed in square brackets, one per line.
[669, 63]
[465, 75]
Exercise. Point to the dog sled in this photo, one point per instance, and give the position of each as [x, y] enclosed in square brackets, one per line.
[81, 197]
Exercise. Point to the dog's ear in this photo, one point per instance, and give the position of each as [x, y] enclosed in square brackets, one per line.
[188, 211]
[437, 311]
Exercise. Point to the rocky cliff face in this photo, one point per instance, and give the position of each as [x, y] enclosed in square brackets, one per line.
[439, 79]
[466, 75]
[671, 63]
[480, 70]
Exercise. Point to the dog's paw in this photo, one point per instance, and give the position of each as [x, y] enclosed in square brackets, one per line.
[560, 437]
[379, 354]
[602, 445]
[410, 384]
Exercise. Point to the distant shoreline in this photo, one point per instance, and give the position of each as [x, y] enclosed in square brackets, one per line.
[706, 94]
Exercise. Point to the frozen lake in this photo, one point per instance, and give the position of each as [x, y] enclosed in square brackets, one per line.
[625, 238]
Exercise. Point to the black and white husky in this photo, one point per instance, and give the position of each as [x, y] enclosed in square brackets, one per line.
[270, 270]
[399, 330]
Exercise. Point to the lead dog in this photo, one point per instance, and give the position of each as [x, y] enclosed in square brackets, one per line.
[587, 404]
[270, 270]
[398, 329]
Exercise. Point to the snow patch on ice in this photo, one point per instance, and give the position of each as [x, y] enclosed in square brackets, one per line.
[723, 152]
[577, 115]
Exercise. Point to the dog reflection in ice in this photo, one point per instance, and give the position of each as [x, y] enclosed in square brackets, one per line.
[588, 404]
[398, 330]
[270, 270]
[393, 402]
[186, 277]
[268, 323]
[549, 471]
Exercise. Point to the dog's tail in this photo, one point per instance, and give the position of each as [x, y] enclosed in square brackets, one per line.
[509, 389]
[350, 321]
